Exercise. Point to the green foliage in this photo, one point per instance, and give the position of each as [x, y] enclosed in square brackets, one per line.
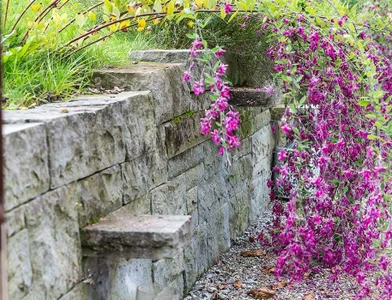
[40, 67]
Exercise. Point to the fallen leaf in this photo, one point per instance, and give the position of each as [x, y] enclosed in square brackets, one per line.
[238, 284]
[280, 284]
[64, 110]
[222, 287]
[262, 293]
[268, 269]
[253, 253]
[251, 238]
[308, 296]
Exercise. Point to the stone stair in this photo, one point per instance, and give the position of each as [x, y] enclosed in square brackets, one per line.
[147, 236]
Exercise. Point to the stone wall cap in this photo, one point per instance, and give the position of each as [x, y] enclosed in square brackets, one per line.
[146, 236]
[78, 105]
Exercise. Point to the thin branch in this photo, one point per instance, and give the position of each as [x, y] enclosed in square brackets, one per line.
[47, 10]
[41, 16]
[130, 18]
[51, 18]
[155, 14]
[6, 12]
[104, 37]
[85, 12]
[22, 14]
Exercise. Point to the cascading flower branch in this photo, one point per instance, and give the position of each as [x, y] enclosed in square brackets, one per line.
[339, 213]
[334, 67]
[221, 120]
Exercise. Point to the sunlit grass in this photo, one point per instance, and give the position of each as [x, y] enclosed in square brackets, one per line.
[43, 77]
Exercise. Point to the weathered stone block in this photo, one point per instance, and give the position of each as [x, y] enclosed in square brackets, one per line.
[202, 247]
[239, 213]
[15, 220]
[191, 177]
[218, 235]
[213, 163]
[141, 131]
[143, 174]
[98, 273]
[26, 162]
[82, 144]
[169, 199]
[259, 197]
[191, 200]
[152, 237]
[211, 194]
[127, 275]
[262, 144]
[254, 124]
[262, 168]
[244, 149]
[19, 265]
[239, 176]
[171, 94]
[52, 222]
[186, 160]
[182, 134]
[137, 207]
[191, 271]
[99, 194]
[165, 271]
[79, 292]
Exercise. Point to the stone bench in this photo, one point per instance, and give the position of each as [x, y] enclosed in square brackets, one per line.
[147, 236]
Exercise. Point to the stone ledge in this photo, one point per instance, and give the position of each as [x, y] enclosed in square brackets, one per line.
[149, 237]
[254, 97]
[161, 56]
[171, 94]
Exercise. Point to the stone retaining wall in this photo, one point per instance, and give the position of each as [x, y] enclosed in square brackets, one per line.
[69, 164]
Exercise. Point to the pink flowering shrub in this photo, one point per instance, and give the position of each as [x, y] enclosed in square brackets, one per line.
[338, 119]
[333, 65]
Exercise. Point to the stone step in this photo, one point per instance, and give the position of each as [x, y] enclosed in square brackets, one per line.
[148, 236]
[254, 97]
[161, 56]
[156, 77]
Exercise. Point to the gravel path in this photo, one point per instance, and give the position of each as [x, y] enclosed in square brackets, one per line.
[234, 276]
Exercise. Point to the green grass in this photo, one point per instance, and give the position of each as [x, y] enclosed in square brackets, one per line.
[41, 76]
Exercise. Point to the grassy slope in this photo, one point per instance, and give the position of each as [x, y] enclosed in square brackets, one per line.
[41, 78]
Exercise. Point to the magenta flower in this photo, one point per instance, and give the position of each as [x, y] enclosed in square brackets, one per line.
[225, 92]
[187, 77]
[220, 52]
[222, 68]
[286, 129]
[222, 104]
[221, 151]
[228, 8]
[205, 126]
[216, 137]
[198, 87]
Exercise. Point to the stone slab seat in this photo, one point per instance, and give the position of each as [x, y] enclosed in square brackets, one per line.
[147, 236]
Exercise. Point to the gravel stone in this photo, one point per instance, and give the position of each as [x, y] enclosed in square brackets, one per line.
[234, 269]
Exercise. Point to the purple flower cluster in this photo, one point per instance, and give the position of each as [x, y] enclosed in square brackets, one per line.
[221, 120]
[221, 113]
[339, 211]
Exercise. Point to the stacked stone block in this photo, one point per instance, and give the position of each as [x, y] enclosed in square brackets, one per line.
[70, 164]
